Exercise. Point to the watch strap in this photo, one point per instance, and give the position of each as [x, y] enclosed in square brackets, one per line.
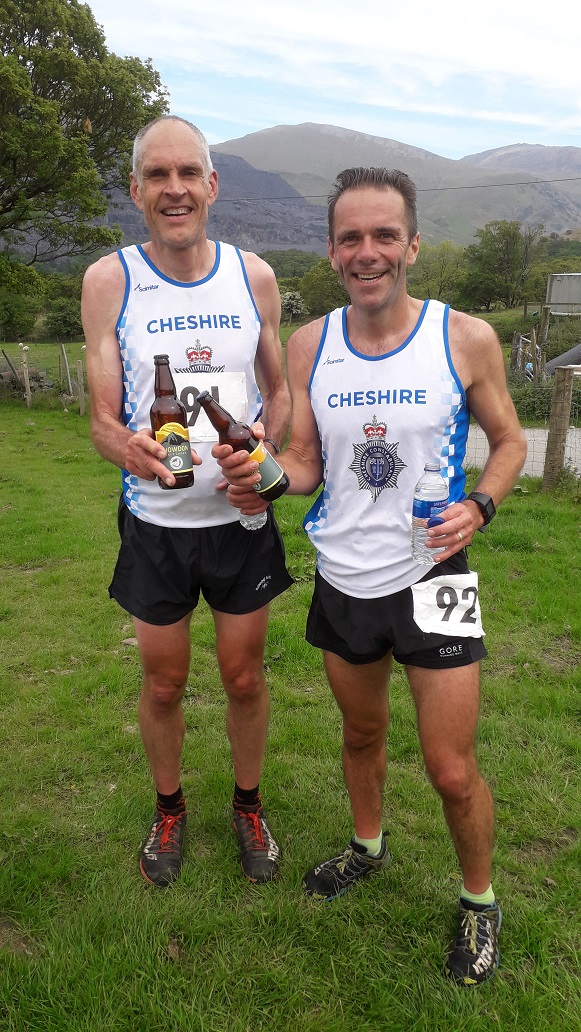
[485, 504]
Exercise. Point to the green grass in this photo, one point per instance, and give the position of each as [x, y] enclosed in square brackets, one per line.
[87, 946]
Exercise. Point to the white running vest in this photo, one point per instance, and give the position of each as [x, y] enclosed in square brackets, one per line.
[210, 331]
[381, 418]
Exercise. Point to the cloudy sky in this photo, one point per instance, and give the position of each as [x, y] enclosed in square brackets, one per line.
[453, 78]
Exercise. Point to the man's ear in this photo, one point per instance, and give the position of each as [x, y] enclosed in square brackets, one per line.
[134, 191]
[413, 248]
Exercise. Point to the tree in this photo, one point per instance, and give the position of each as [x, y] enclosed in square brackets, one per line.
[21, 294]
[498, 265]
[63, 319]
[322, 289]
[293, 306]
[70, 110]
[437, 272]
[290, 262]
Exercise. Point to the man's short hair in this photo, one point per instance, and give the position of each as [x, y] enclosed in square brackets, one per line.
[379, 179]
[138, 144]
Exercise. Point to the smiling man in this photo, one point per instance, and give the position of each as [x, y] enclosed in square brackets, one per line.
[379, 388]
[215, 312]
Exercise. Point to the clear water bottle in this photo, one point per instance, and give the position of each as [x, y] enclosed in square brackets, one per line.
[254, 522]
[430, 499]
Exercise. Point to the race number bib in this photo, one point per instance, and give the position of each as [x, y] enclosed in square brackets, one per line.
[229, 389]
[448, 605]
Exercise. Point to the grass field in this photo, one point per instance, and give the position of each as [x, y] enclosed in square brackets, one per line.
[87, 946]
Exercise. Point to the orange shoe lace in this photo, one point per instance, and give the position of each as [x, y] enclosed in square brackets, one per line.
[167, 842]
[256, 830]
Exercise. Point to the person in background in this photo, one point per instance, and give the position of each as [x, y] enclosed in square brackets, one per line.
[216, 312]
[380, 388]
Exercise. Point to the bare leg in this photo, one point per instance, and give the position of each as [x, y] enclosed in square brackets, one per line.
[447, 708]
[362, 696]
[240, 642]
[165, 658]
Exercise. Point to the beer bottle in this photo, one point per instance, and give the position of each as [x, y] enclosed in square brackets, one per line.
[169, 421]
[273, 479]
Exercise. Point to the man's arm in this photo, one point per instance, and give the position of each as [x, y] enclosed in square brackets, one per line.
[478, 359]
[270, 372]
[102, 297]
[491, 405]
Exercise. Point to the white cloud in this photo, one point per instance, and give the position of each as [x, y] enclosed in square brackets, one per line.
[505, 68]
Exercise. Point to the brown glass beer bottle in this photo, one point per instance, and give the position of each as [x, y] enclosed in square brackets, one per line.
[169, 421]
[273, 479]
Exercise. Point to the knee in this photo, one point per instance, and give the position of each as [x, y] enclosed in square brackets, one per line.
[358, 736]
[453, 778]
[164, 692]
[243, 684]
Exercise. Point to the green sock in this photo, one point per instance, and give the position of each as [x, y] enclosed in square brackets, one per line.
[483, 899]
[372, 845]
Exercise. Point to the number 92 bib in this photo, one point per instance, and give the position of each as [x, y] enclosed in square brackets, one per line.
[448, 605]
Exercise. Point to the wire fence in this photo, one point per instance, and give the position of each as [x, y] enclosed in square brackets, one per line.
[477, 450]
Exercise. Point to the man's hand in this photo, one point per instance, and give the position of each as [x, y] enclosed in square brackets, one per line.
[461, 521]
[143, 454]
[241, 473]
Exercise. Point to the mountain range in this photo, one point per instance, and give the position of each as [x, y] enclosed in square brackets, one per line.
[274, 186]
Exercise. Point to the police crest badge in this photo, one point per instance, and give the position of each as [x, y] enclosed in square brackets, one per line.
[376, 464]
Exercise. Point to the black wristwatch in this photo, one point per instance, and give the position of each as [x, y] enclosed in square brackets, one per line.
[485, 504]
[269, 440]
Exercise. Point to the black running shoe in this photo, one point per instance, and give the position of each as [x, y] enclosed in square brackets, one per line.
[474, 955]
[259, 853]
[333, 877]
[162, 854]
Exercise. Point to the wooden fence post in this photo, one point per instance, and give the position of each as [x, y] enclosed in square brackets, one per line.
[26, 377]
[543, 333]
[558, 426]
[80, 382]
[534, 355]
[67, 370]
[514, 350]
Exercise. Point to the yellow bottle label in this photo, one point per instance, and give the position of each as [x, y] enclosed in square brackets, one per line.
[270, 471]
[176, 441]
[171, 428]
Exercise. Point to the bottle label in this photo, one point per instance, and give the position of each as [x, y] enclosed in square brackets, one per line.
[425, 507]
[176, 442]
[269, 469]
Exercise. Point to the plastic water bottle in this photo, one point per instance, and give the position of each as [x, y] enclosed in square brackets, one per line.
[254, 522]
[430, 499]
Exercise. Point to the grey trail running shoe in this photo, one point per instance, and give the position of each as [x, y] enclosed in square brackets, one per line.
[259, 853]
[333, 877]
[162, 853]
[474, 955]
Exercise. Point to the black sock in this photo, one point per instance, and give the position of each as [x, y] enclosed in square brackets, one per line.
[248, 797]
[173, 804]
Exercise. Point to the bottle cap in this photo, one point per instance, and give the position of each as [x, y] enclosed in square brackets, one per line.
[434, 521]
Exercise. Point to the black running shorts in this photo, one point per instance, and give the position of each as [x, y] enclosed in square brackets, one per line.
[160, 571]
[363, 630]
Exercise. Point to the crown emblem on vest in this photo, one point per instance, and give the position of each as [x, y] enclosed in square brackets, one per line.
[198, 353]
[375, 431]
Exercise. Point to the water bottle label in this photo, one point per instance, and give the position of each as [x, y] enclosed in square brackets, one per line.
[423, 508]
[449, 605]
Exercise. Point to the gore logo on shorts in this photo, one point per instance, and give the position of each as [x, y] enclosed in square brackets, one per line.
[451, 650]
[263, 583]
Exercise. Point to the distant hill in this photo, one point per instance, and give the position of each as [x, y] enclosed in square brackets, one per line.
[256, 210]
[274, 185]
